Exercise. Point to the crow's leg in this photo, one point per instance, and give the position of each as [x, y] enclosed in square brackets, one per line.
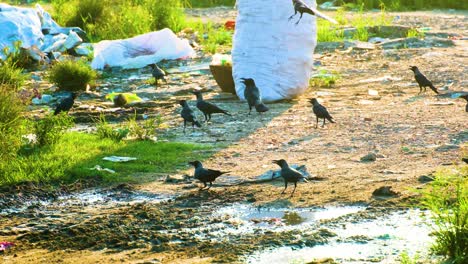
[299, 19]
[420, 89]
[295, 13]
[316, 124]
[211, 184]
[185, 124]
[323, 122]
[204, 186]
[206, 117]
[250, 109]
[209, 117]
[295, 185]
[285, 186]
[156, 82]
[193, 126]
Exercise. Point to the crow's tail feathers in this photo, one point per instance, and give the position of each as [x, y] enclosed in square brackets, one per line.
[434, 89]
[226, 113]
[197, 124]
[261, 107]
[330, 119]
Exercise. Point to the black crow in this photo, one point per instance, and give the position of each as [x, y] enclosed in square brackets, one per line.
[66, 104]
[120, 100]
[253, 96]
[188, 115]
[301, 8]
[320, 112]
[157, 73]
[208, 108]
[289, 175]
[465, 96]
[205, 175]
[465, 160]
[423, 82]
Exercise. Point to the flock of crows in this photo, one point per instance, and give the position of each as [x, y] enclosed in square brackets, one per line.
[253, 97]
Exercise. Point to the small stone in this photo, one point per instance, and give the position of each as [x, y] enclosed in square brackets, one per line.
[384, 191]
[425, 178]
[367, 119]
[369, 157]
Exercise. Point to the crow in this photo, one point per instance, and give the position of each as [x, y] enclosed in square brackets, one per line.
[465, 160]
[120, 100]
[302, 8]
[320, 112]
[423, 82]
[205, 175]
[208, 108]
[289, 174]
[66, 104]
[253, 96]
[465, 96]
[157, 73]
[188, 115]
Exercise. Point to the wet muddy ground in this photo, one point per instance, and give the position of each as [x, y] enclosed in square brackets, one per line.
[333, 218]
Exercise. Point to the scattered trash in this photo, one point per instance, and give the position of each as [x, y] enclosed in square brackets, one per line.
[119, 159]
[99, 168]
[440, 103]
[129, 97]
[373, 92]
[36, 32]
[383, 79]
[6, 245]
[230, 25]
[140, 51]
[190, 68]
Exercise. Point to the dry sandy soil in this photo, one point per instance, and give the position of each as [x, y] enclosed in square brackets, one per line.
[410, 134]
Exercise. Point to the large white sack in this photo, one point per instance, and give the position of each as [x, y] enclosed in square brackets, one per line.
[273, 51]
[141, 50]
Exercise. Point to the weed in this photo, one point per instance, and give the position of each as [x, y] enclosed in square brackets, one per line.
[414, 33]
[10, 73]
[106, 131]
[11, 123]
[146, 130]
[50, 129]
[406, 259]
[70, 75]
[447, 198]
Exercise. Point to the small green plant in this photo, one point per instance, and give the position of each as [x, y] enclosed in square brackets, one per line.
[447, 199]
[324, 79]
[414, 33]
[105, 130]
[145, 130]
[11, 123]
[71, 75]
[50, 129]
[10, 73]
[406, 259]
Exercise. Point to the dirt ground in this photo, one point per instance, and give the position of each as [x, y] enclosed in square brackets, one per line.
[410, 134]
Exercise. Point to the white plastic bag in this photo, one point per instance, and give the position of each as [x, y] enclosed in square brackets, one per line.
[273, 51]
[141, 50]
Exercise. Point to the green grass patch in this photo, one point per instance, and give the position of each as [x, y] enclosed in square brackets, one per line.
[76, 153]
[213, 38]
[447, 199]
[401, 5]
[324, 78]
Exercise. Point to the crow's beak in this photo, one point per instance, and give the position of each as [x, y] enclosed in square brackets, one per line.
[275, 161]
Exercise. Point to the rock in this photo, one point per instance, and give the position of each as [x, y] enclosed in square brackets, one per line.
[84, 49]
[384, 191]
[72, 40]
[377, 40]
[356, 44]
[417, 43]
[446, 148]
[425, 178]
[369, 157]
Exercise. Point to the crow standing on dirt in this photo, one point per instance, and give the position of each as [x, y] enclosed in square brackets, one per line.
[423, 82]
[157, 73]
[205, 175]
[320, 112]
[66, 104]
[208, 108]
[188, 115]
[465, 96]
[289, 175]
[301, 8]
[253, 96]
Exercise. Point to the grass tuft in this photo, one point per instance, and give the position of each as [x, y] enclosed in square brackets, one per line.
[71, 75]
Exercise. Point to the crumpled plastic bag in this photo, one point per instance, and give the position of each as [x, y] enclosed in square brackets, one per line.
[273, 51]
[140, 51]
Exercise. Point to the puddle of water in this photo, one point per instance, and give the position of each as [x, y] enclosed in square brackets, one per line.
[381, 239]
[89, 198]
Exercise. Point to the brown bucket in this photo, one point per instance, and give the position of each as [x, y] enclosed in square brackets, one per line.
[223, 77]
